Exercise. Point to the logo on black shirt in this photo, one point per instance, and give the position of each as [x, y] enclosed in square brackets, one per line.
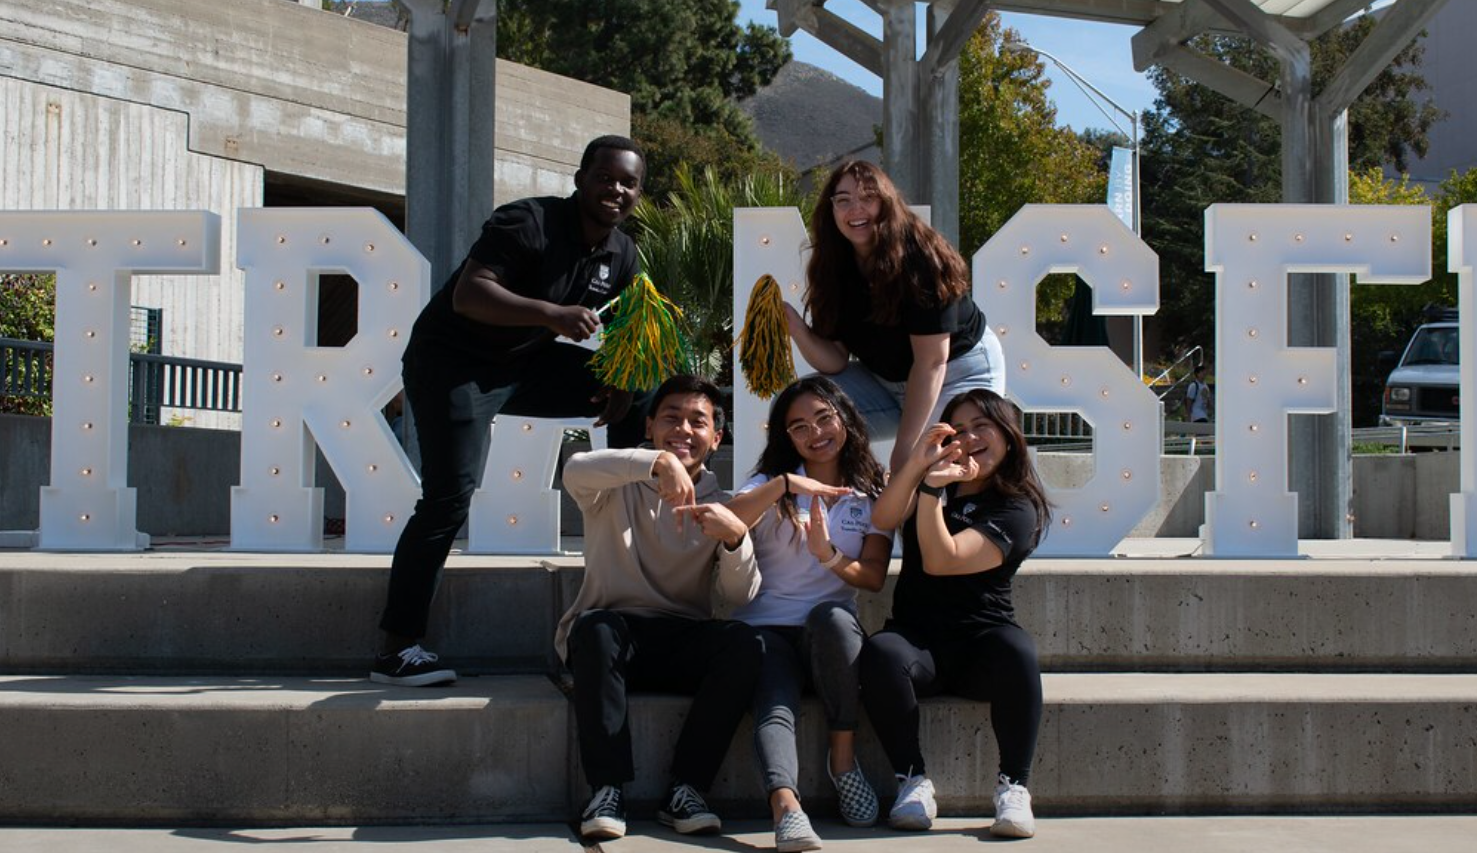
[600, 284]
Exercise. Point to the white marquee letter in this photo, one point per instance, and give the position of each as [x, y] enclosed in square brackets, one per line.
[88, 506]
[292, 388]
[1461, 252]
[1093, 382]
[1259, 378]
[766, 241]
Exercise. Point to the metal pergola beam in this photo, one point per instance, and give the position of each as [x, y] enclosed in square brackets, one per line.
[1245, 89]
[1394, 32]
[1170, 31]
[949, 38]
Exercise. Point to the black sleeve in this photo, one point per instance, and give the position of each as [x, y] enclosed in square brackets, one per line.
[1012, 528]
[511, 243]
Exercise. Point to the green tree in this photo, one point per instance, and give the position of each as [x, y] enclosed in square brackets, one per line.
[670, 144]
[1382, 316]
[1200, 148]
[685, 63]
[1011, 152]
[27, 313]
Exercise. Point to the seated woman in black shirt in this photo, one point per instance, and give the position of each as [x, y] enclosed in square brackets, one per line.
[974, 510]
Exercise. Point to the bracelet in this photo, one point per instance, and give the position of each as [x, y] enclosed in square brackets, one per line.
[836, 558]
[925, 489]
[787, 482]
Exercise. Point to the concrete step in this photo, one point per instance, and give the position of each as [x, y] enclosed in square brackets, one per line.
[1386, 834]
[221, 612]
[161, 750]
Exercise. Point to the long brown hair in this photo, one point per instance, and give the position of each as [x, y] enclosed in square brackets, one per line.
[1016, 476]
[909, 257]
[859, 469]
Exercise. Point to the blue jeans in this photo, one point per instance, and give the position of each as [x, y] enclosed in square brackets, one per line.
[880, 402]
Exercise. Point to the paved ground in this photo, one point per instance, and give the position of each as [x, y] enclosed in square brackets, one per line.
[1404, 834]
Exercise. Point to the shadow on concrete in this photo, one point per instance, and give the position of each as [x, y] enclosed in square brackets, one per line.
[382, 834]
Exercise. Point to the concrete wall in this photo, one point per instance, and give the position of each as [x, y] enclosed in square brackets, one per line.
[185, 105]
[294, 90]
[184, 479]
[66, 150]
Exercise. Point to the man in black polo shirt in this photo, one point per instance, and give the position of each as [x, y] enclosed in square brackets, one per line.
[486, 344]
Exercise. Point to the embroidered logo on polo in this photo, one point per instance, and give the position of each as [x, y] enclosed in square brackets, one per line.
[600, 282]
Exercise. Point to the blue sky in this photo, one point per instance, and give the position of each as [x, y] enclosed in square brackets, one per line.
[1100, 53]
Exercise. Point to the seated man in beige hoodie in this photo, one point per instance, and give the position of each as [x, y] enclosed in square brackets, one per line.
[657, 539]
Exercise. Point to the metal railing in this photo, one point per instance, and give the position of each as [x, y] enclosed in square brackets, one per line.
[155, 381]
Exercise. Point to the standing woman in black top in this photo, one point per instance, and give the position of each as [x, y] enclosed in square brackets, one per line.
[886, 288]
[974, 510]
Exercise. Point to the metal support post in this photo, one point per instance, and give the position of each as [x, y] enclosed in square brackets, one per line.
[449, 139]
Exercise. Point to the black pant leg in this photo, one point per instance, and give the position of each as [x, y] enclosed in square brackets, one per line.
[600, 651]
[556, 382]
[718, 663]
[1001, 667]
[897, 669]
[451, 422]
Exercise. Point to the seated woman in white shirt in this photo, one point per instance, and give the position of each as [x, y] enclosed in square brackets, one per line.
[809, 510]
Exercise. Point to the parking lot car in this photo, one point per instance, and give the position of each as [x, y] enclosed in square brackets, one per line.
[1423, 387]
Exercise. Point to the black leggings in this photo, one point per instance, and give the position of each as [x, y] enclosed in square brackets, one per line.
[899, 666]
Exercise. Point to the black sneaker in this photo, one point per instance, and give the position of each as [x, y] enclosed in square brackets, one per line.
[604, 819]
[687, 812]
[412, 667]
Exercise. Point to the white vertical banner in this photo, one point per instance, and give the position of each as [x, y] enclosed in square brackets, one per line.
[296, 394]
[1260, 380]
[88, 506]
[1461, 255]
[1090, 241]
[1121, 184]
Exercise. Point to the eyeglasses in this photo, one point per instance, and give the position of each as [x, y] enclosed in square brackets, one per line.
[824, 422]
[843, 201]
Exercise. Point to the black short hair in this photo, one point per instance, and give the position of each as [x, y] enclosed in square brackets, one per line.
[684, 383]
[618, 143]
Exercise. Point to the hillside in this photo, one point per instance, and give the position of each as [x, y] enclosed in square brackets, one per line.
[815, 118]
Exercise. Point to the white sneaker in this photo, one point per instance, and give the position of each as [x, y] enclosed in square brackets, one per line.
[914, 808]
[1013, 818]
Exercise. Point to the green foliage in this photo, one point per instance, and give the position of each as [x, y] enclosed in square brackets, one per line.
[27, 313]
[1383, 316]
[1012, 153]
[683, 61]
[670, 143]
[27, 306]
[686, 245]
[1201, 148]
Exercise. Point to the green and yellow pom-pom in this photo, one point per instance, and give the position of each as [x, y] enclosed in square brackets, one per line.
[764, 343]
[642, 344]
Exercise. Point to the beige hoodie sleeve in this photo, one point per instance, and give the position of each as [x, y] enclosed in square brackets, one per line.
[738, 572]
[588, 476]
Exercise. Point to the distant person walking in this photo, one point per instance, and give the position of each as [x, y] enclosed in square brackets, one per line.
[1198, 397]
